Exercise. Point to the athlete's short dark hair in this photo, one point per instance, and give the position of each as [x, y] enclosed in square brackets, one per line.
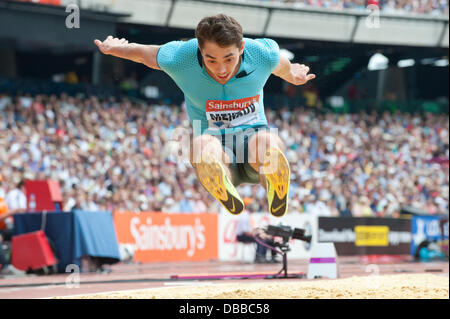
[221, 29]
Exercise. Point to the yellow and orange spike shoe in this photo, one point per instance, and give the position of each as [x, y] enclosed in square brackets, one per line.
[277, 172]
[213, 177]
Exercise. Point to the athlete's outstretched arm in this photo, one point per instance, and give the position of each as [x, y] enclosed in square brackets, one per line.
[295, 73]
[140, 53]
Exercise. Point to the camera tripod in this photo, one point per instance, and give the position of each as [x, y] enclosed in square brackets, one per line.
[283, 273]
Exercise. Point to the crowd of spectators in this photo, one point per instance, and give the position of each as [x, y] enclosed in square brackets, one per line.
[433, 7]
[118, 155]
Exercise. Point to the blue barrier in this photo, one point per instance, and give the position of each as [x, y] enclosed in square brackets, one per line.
[74, 234]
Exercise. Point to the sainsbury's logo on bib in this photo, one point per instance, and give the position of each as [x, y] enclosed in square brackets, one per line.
[225, 114]
[233, 105]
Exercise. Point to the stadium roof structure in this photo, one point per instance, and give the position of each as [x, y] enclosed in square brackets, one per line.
[289, 21]
[30, 26]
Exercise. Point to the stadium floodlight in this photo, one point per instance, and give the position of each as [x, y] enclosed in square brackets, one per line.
[406, 63]
[287, 54]
[441, 62]
[378, 62]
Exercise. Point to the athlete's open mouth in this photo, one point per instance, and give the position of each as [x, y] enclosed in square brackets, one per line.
[222, 77]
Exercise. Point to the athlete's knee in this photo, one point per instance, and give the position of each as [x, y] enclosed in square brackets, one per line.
[205, 144]
[198, 146]
[263, 141]
[271, 140]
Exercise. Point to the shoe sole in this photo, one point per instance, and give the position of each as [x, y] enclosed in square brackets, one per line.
[278, 179]
[212, 176]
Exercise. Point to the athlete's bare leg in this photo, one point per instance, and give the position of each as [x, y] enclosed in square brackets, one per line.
[208, 144]
[257, 147]
[267, 158]
[211, 165]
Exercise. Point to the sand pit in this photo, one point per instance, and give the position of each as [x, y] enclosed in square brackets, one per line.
[401, 286]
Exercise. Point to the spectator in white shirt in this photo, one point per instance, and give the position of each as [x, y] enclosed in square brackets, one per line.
[170, 206]
[4, 101]
[16, 199]
[2, 191]
[199, 204]
[16, 202]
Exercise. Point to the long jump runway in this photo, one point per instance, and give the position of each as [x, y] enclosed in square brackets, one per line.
[153, 280]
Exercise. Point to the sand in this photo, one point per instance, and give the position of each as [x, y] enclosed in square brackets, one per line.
[400, 286]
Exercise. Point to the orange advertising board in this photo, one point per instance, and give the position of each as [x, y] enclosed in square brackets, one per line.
[168, 237]
[51, 2]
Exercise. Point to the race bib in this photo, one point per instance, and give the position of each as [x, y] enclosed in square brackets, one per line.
[227, 114]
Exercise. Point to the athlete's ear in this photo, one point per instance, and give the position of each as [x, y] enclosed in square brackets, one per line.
[242, 48]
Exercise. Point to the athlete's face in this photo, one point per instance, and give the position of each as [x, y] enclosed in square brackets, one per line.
[221, 63]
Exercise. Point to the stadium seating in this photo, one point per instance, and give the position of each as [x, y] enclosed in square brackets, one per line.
[109, 154]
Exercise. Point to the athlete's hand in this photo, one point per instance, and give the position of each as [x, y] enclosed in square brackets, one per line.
[299, 73]
[111, 45]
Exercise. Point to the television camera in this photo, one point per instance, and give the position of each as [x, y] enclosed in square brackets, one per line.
[286, 233]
